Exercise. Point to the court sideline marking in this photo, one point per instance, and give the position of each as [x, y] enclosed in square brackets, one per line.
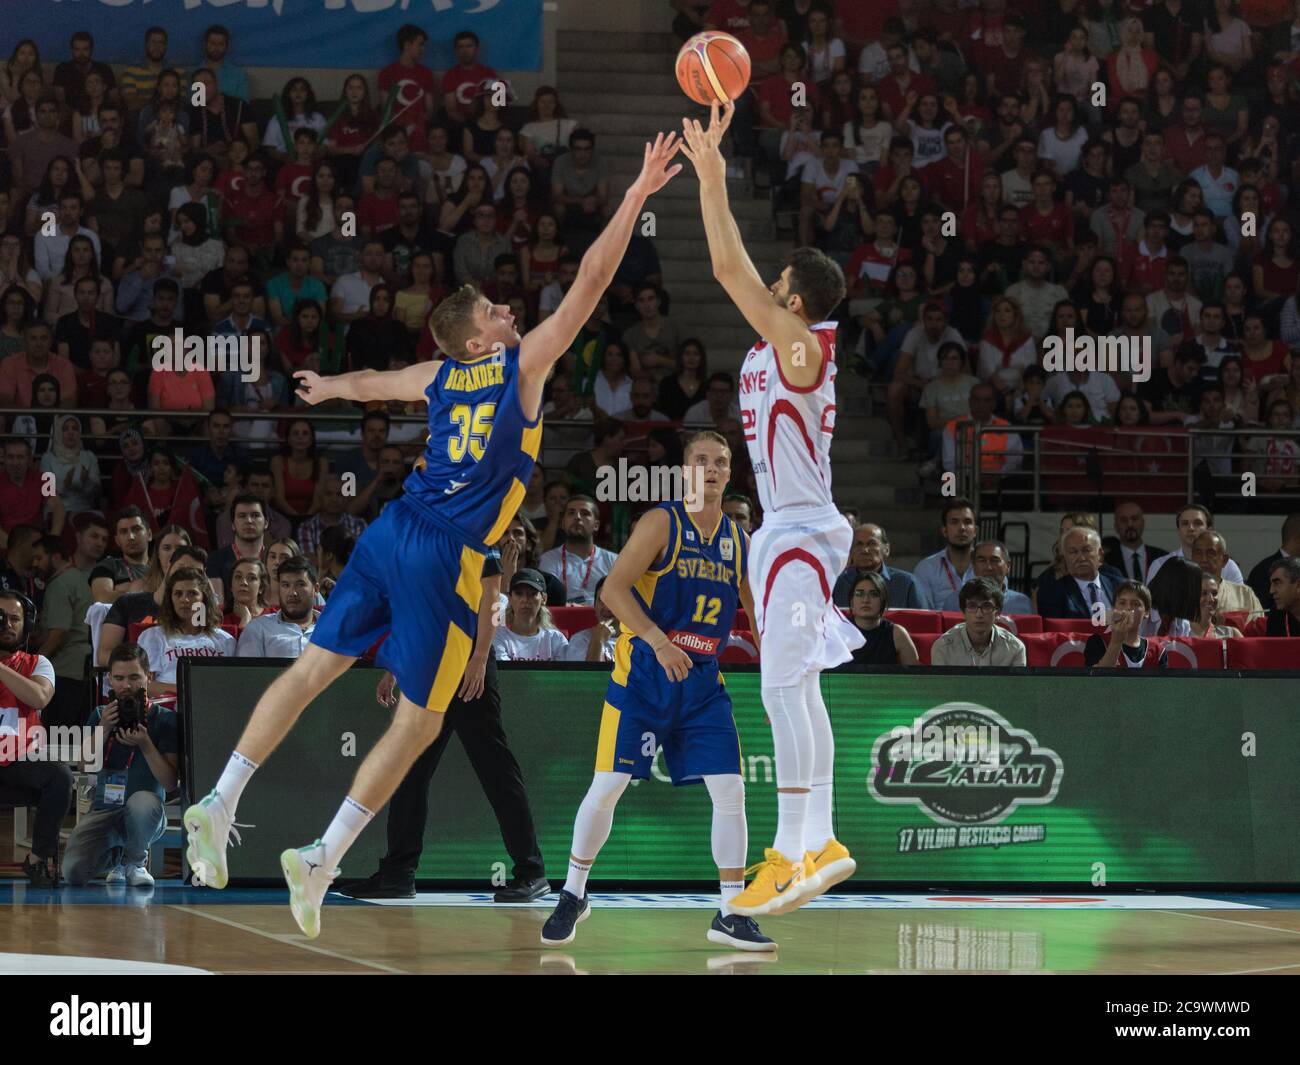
[1247, 924]
[290, 941]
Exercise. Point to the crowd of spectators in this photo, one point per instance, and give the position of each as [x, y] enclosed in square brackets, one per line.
[990, 176]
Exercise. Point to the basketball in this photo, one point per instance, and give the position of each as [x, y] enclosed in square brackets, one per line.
[713, 66]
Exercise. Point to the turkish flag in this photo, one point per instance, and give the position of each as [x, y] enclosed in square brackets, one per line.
[186, 509]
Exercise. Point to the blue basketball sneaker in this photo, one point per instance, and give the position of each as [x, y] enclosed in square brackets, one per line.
[561, 926]
[740, 933]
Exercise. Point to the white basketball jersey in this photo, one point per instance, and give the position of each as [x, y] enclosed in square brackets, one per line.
[788, 429]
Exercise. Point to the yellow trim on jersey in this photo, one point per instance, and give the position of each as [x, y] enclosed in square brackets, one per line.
[509, 507]
[675, 538]
[742, 551]
[469, 586]
[451, 667]
[530, 441]
[708, 540]
[622, 659]
[608, 741]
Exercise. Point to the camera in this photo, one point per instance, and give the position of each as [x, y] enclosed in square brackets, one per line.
[131, 709]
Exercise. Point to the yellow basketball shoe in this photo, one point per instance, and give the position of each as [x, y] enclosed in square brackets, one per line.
[831, 865]
[776, 883]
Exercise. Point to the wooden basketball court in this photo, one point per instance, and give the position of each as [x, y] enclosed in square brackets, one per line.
[251, 931]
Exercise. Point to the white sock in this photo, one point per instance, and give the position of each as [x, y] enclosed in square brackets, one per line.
[791, 812]
[792, 744]
[730, 889]
[234, 778]
[344, 830]
[576, 883]
[819, 828]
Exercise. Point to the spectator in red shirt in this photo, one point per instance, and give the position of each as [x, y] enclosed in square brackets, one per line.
[1144, 270]
[954, 179]
[378, 209]
[1130, 67]
[250, 215]
[762, 38]
[21, 500]
[416, 101]
[1045, 221]
[1185, 142]
[19, 370]
[900, 83]
[1003, 61]
[461, 83]
[774, 97]
[728, 15]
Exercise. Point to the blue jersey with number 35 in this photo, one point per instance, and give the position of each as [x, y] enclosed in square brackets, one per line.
[481, 449]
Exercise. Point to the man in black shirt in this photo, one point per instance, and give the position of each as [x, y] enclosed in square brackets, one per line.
[1175, 391]
[76, 329]
[411, 234]
[70, 75]
[25, 564]
[1000, 259]
[116, 575]
[1174, 32]
[216, 285]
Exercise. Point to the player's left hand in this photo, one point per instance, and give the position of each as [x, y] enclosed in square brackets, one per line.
[655, 171]
[701, 145]
[471, 685]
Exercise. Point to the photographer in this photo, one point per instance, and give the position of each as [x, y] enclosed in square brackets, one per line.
[26, 687]
[139, 768]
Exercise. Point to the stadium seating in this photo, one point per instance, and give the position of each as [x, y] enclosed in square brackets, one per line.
[917, 621]
[1264, 653]
[133, 632]
[571, 619]
[1067, 625]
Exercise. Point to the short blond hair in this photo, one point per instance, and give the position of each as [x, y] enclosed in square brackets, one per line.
[703, 436]
[452, 321]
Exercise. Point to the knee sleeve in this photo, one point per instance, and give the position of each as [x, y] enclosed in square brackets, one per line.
[727, 790]
[792, 739]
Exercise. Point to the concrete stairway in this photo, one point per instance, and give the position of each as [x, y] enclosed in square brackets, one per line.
[622, 87]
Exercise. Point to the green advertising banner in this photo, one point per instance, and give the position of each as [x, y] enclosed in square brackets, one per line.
[940, 778]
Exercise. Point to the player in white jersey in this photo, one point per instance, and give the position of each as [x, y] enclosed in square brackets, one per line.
[787, 406]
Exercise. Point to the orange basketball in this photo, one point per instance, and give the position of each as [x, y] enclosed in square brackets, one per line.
[713, 66]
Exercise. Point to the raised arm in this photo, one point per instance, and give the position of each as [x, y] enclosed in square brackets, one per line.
[542, 348]
[363, 386]
[799, 354]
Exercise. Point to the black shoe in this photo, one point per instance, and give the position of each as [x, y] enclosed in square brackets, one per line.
[739, 933]
[38, 872]
[523, 889]
[379, 886]
[560, 927]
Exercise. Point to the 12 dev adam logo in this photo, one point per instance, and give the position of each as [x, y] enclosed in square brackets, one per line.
[968, 769]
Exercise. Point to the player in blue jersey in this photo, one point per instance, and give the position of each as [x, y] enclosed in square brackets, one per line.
[415, 573]
[675, 589]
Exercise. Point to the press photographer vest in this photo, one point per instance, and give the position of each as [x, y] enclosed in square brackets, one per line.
[14, 713]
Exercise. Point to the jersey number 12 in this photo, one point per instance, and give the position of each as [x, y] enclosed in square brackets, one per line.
[707, 610]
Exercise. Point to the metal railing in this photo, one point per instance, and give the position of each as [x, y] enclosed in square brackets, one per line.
[1179, 464]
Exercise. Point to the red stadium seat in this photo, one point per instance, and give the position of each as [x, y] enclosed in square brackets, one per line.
[949, 618]
[571, 619]
[1058, 649]
[1023, 622]
[915, 621]
[1238, 619]
[1265, 653]
[924, 641]
[1067, 625]
[742, 620]
[1192, 652]
[133, 631]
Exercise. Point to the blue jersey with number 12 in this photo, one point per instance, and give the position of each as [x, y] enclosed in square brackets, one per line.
[481, 449]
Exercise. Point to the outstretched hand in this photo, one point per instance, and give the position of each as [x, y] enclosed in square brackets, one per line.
[655, 171]
[312, 388]
[702, 145]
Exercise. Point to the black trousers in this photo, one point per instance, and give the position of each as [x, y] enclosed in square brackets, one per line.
[478, 723]
[70, 704]
[54, 781]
